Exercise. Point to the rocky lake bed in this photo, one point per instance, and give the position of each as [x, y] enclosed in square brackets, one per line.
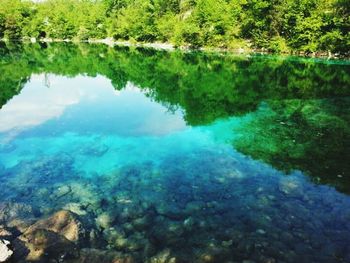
[146, 214]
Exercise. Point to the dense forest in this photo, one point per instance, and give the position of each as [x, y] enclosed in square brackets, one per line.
[274, 25]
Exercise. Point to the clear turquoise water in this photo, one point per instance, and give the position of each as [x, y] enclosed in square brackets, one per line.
[268, 184]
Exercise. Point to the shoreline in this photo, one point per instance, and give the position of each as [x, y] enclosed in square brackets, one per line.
[170, 47]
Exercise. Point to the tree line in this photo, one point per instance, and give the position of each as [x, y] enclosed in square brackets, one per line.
[274, 25]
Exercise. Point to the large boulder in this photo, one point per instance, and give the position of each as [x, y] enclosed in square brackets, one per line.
[5, 251]
[11, 211]
[41, 245]
[64, 223]
[53, 238]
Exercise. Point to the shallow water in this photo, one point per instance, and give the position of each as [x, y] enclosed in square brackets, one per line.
[194, 156]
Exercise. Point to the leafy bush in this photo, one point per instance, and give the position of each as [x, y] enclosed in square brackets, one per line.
[276, 25]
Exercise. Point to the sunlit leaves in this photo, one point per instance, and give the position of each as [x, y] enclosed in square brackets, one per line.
[275, 25]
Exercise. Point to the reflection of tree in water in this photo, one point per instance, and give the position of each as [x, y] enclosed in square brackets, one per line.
[206, 85]
[14, 73]
[310, 135]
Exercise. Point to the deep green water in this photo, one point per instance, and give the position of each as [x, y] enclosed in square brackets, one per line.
[204, 157]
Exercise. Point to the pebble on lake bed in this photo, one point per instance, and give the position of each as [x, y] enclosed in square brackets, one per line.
[261, 232]
[104, 221]
[62, 191]
[290, 186]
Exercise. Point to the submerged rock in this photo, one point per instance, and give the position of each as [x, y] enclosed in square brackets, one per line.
[7, 147]
[5, 233]
[189, 223]
[64, 223]
[2, 168]
[162, 257]
[104, 221]
[134, 242]
[75, 208]
[261, 231]
[167, 231]
[54, 238]
[5, 251]
[11, 211]
[142, 223]
[113, 234]
[130, 212]
[21, 225]
[170, 211]
[235, 174]
[85, 193]
[290, 186]
[121, 243]
[42, 244]
[97, 150]
[89, 255]
[194, 207]
[62, 191]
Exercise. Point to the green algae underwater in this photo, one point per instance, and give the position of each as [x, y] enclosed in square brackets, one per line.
[176, 156]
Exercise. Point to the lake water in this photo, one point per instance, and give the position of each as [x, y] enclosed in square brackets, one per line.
[180, 157]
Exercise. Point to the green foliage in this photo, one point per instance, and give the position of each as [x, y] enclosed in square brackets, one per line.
[331, 40]
[278, 44]
[12, 15]
[166, 24]
[275, 25]
[2, 25]
[188, 33]
[136, 21]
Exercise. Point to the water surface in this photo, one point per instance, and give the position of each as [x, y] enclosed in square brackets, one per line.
[190, 156]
